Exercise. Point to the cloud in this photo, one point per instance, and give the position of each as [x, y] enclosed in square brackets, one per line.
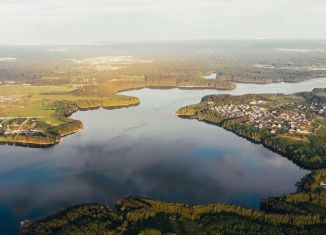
[50, 21]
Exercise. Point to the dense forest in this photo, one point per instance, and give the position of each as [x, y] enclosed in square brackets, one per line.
[303, 212]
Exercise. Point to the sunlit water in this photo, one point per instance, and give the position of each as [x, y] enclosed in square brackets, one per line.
[146, 151]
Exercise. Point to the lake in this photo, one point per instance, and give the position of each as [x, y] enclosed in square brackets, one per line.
[146, 151]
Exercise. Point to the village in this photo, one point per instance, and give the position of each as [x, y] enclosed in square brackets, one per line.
[7, 83]
[288, 118]
[21, 126]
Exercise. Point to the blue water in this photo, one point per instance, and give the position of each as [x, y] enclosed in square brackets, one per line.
[146, 151]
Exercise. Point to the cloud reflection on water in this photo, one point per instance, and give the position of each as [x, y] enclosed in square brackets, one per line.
[147, 151]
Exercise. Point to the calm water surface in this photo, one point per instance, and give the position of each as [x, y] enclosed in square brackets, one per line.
[146, 151]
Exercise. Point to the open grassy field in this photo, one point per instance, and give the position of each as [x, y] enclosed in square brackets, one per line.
[30, 101]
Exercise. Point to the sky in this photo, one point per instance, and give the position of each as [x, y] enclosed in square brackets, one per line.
[103, 21]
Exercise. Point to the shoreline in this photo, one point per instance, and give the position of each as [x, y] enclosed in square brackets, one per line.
[265, 83]
[31, 144]
[50, 144]
[132, 209]
[297, 163]
[120, 91]
[306, 156]
[175, 87]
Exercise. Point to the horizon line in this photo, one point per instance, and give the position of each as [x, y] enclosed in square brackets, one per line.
[158, 41]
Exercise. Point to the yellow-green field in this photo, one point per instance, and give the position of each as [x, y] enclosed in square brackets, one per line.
[49, 108]
[30, 101]
[35, 101]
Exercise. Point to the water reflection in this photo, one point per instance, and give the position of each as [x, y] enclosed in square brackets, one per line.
[147, 151]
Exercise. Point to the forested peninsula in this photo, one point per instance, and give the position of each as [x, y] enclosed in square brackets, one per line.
[291, 125]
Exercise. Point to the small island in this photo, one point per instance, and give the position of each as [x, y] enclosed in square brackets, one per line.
[291, 125]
